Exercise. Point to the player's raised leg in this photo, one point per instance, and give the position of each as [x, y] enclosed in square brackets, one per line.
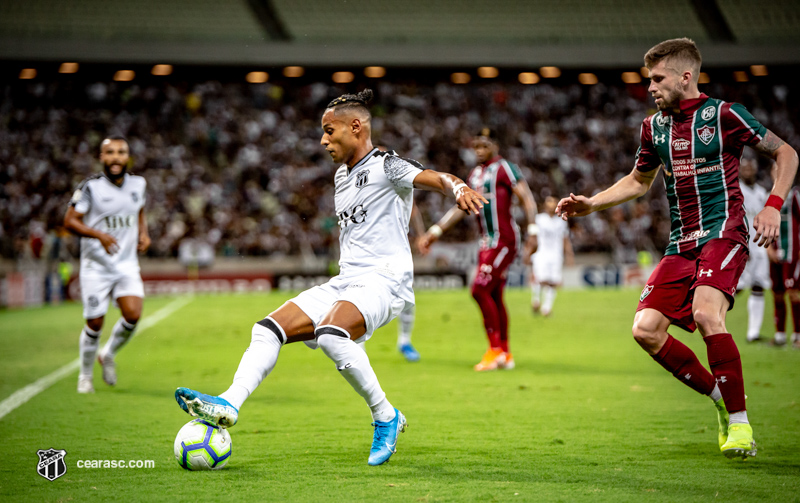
[650, 332]
[267, 338]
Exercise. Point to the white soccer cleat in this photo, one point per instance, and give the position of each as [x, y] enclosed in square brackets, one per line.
[85, 385]
[109, 368]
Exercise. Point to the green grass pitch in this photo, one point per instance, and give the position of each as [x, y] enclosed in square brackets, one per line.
[585, 416]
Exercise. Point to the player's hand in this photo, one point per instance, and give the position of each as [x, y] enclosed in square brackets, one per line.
[424, 243]
[144, 243]
[469, 200]
[574, 206]
[767, 225]
[109, 243]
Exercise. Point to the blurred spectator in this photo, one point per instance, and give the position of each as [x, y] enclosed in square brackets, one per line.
[241, 165]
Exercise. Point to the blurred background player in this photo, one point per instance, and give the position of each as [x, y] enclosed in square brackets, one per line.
[554, 250]
[497, 180]
[756, 272]
[693, 285]
[405, 321]
[107, 212]
[373, 199]
[785, 269]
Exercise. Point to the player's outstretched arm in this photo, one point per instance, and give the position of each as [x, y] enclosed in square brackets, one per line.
[452, 217]
[73, 222]
[467, 199]
[768, 221]
[634, 184]
[523, 192]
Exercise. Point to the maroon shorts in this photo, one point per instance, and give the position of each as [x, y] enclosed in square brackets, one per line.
[493, 265]
[670, 289]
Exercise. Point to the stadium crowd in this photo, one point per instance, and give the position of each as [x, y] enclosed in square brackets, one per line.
[240, 167]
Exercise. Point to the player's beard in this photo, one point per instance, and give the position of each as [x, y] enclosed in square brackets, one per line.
[113, 177]
[670, 100]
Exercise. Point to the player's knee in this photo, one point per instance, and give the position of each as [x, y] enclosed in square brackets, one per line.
[332, 340]
[708, 321]
[645, 336]
[131, 319]
[96, 324]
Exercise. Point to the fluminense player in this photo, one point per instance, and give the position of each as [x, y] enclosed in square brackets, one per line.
[554, 250]
[756, 271]
[697, 142]
[498, 180]
[373, 198]
[107, 212]
[785, 268]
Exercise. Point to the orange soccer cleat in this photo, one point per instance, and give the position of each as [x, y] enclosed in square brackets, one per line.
[492, 360]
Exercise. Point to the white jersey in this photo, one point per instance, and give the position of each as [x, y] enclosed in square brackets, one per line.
[755, 197]
[552, 231]
[373, 202]
[115, 211]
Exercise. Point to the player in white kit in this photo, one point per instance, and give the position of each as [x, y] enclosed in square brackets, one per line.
[756, 272]
[548, 261]
[373, 198]
[107, 212]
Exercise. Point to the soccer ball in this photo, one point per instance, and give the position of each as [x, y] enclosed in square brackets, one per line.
[201, 445]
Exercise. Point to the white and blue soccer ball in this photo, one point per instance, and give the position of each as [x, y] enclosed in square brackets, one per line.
[201, 445]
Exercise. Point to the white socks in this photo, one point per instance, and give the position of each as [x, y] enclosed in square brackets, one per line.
[352, 362]
[88, 344]
[549, 299]
[405, 324]
[120, 335]
[536, 292]
[716, 394]
[257, 362]
[739, 417]
[755, 315]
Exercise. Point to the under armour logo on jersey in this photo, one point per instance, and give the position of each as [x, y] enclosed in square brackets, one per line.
[356, 216]
[707, 273]
[659, 139]
[362, 178]
[722, 379]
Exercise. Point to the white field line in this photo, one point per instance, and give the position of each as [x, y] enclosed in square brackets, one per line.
[22, 395]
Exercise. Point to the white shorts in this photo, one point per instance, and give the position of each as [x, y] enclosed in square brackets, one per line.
[98, 287]
[373, 294]
[547, 269]
[756, 271]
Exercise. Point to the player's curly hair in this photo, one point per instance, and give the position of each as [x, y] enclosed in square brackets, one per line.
[359, 100]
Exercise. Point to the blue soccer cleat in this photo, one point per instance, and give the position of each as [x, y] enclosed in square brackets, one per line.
[213, 409]
[384, 442]
[409, 352]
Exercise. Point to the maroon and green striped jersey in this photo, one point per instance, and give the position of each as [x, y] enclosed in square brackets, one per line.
[789, 242]
[496, 180]
[699, 149]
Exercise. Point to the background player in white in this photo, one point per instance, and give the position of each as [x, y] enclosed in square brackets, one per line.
[107, 212]
[555, 249]
[756, 272]
[405, 320]
[373, 199]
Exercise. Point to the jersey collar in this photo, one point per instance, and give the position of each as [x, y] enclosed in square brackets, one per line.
[688, 106]
[124, 179]
[491, 161]
[363, 160]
